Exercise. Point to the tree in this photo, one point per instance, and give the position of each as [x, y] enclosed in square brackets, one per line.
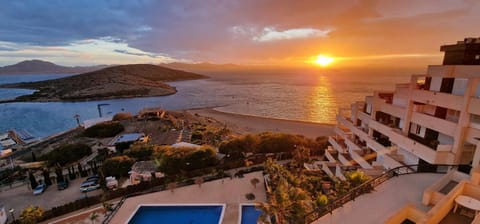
[199, 181]
[117, 166]
[33, 181]
[46, 177]
[31, 215]
[34, 158]
[93, 217]
[254, 182]
[171, 186]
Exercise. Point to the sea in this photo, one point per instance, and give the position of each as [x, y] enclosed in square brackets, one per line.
[304, 95]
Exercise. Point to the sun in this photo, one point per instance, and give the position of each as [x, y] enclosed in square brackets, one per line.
[323, 60]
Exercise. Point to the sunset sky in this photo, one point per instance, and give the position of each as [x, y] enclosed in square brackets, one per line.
[270, 32]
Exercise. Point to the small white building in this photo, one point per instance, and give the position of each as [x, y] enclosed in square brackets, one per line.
[143, 171]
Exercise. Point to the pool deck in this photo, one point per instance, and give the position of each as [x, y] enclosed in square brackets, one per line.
[230, 192]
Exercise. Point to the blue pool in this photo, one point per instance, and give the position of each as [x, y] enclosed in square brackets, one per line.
[250, 214]
[204, 214]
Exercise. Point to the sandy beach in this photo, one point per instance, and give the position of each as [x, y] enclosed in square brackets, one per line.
[243, 124]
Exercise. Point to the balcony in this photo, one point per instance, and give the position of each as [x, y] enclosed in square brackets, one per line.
[331, 154]
[361, 134]
[438, 99]
[422, 151]
[434, 123]
[393, 110]
[473, 135]
[474, 106]
[364, 117]
[338, 144]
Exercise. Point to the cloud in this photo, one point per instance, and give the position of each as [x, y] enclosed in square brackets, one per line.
[247, 31]
[270, 34]
[138, 53]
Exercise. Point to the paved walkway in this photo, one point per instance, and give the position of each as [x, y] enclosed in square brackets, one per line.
[385, 201]
[230, 192]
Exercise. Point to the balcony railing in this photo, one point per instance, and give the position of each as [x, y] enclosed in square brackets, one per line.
[367, 187]
[434, 123]
[420, 150]
[438, 99]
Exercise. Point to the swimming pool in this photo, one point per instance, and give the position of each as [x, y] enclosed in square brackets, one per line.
[180, 214]
[250, 214]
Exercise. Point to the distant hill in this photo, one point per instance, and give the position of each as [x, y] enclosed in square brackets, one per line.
[204, 66]
[45, 67]
[123, 81]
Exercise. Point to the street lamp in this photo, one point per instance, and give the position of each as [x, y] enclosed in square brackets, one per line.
[13, 215]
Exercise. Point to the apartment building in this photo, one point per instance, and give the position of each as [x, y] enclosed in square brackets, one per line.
[433, 119]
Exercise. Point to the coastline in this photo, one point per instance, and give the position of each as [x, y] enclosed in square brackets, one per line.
[243, 124]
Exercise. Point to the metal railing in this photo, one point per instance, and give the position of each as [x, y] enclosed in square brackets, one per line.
[369, 186]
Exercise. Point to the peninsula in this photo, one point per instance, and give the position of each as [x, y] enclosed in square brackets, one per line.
[123, 81]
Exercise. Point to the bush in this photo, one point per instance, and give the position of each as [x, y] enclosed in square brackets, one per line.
[173, 160]
[67, 153]
[104, 130]
[117, 166]
[140, 151]
[271, 143]
[122, 116]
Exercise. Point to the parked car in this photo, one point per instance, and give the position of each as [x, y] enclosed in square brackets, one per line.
[89, 186]
[39, 189]
[62, 184]
[93, 178]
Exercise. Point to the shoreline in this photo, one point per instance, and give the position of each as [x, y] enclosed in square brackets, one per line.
[244, 124]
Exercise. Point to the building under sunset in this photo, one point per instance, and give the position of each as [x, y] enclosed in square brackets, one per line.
[433, 120]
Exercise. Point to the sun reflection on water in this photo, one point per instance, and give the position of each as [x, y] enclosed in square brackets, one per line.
[321, 100]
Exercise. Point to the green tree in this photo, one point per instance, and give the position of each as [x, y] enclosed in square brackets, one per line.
[117, 166]
[31, 215]
[140, 151]
[254, 182]
[93, 217]
[355, 178]
[59, 173]
[104, 130]
[46, 177]
[32, 179]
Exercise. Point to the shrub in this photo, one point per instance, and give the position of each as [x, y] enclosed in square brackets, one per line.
[173, 160]
[104, 130]
[67, 154]
[117, 166]
[122, 116]
[140, 151]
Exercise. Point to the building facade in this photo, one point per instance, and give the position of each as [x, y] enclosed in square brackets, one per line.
[433, 119]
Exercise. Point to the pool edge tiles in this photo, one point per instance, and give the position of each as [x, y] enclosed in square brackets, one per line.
[220, 217]
[240, 210]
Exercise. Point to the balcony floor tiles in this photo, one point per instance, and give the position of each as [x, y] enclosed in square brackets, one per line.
[384, 201]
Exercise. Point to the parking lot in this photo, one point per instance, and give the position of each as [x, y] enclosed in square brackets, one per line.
[20, 197]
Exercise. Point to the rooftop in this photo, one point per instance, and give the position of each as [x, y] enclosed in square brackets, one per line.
[384, 201]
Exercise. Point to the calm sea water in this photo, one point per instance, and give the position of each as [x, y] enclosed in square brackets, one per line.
[297, 95]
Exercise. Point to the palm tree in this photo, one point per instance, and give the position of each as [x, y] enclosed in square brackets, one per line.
[171, 186]
[77, 118]
[93, 217]
[254, 182]
[199, 181]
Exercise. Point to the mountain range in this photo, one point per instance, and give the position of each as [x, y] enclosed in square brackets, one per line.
[45, 67]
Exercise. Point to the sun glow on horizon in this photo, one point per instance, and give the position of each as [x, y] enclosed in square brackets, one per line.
[323, 60]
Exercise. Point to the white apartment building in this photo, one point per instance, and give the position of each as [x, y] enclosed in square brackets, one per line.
[434, 119]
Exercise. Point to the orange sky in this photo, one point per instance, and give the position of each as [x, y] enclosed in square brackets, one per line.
[268, 32]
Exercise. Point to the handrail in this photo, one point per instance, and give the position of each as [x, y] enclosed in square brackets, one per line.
[367, 187]
[114, 210]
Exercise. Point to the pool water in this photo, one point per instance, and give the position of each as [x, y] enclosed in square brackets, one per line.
[250, 214]
[178, 214]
